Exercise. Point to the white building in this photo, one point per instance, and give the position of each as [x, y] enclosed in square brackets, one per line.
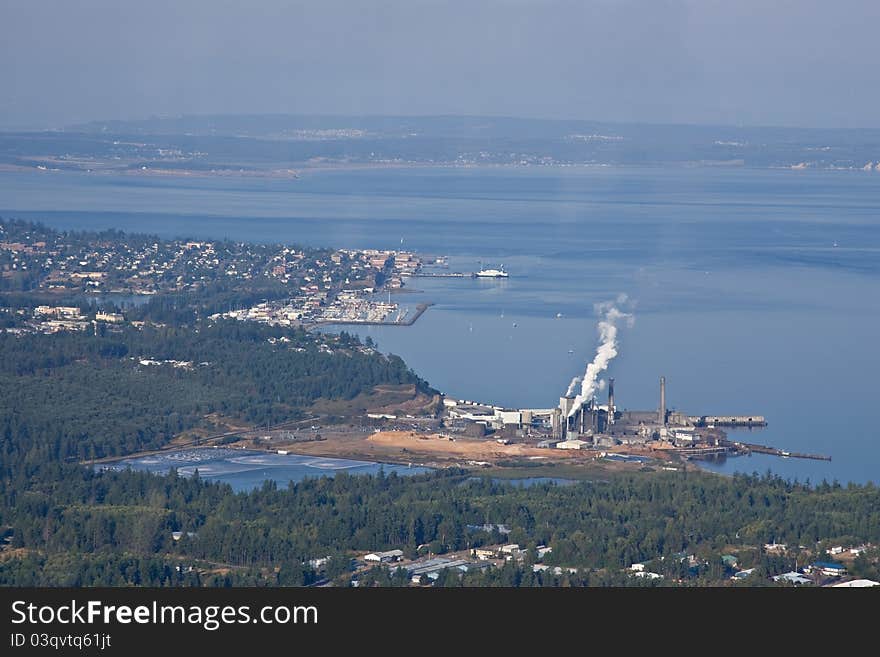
[647, 574]
[827, 568]
[572, 444]
[509, 417]
[792, 577]
[384, 557]
[857, 584]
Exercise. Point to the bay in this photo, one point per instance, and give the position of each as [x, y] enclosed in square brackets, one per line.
[753, 291]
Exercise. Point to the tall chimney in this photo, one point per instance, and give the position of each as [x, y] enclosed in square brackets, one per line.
[610, 401]
[662, 415]
[565, 404]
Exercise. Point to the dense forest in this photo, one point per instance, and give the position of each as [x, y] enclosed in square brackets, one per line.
[82, 396]
[69, 525]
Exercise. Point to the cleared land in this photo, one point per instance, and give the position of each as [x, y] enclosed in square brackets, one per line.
[459, 448]
[428, 448]
[487, 454]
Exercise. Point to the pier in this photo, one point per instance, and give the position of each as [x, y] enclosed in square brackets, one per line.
[739, 449]
[452, 274]
[420, 309]
[764, 449]
[727, 420]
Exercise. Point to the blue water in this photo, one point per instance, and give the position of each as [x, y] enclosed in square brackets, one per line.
[741, 298]
[247, 469]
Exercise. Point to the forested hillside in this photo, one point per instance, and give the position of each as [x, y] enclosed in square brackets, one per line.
[78, 396]
[72, 526]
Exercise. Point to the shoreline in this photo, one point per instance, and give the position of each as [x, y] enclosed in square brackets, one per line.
[298, 171]
[569, 466]
[479, 457]
[580, 472]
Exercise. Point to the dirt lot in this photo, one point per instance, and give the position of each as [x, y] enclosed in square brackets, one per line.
[434, 450]
[410, 446]
[460, 448]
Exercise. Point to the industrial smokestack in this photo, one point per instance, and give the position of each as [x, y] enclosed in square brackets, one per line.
[566, 405]
[611, 401]
[662, 415]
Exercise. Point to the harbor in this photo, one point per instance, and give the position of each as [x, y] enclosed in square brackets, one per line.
[403, 318]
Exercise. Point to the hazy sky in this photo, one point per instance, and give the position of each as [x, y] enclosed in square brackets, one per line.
[767, 62]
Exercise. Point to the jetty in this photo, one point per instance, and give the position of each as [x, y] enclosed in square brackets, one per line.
[774, 451]
[443, 274]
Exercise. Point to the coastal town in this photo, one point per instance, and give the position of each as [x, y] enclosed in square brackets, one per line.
[299, 286]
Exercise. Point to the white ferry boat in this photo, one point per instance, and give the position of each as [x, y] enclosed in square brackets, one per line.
[492, 273]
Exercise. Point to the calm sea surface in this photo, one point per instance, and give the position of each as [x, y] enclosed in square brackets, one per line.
[754, 291]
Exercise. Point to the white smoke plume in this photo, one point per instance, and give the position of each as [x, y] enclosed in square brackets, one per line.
[575, 382]
[610, 316]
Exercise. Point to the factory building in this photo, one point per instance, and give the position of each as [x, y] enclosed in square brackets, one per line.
[589, 421]
[604, 425]
[578, 423]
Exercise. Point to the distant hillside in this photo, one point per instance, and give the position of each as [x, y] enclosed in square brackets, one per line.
[273, 142]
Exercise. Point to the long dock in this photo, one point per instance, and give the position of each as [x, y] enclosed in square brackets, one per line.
[453, 274]
[764, 449]
[420, 309]
[728, 420]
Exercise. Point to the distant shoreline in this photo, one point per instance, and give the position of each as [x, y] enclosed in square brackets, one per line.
[298, 171]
